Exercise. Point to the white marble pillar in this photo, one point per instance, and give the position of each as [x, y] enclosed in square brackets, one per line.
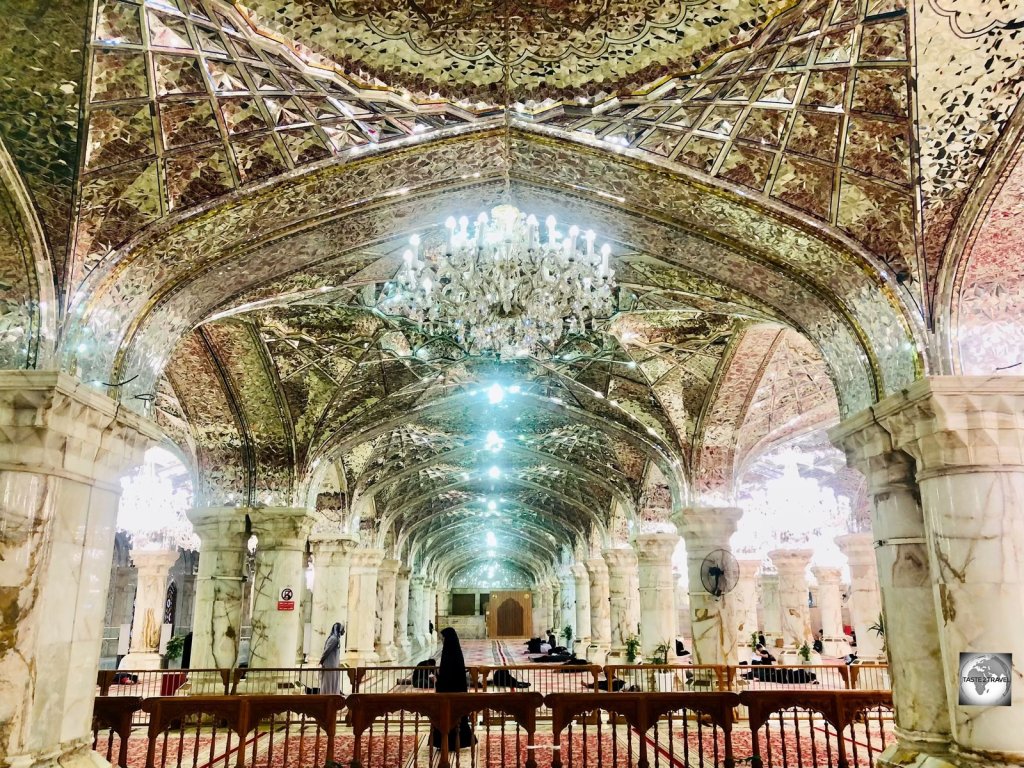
[622, 564]
[791, 565]
[830, 601]
[600, 617]
[153, 568]
[387, 576]
[63, 449]
[744, 598]
[281, 534]
[402, 609]
[417, 611]
[430, 598]
[332, 557]
[538, 612]
[865, 595]
[362, 607]
[217, 617]
[566, 603]
[683, 624]
[657, 588]
[771, 609]
[923, 726]
[706, 529]
[966, 435]
[582, 585]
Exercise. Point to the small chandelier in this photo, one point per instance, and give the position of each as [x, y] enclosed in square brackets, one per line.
[503, 287]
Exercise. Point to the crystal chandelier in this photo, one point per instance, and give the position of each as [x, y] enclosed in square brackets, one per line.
[504, 286]
[152, 511]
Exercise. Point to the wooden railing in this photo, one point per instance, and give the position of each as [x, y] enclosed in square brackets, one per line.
[781, 728]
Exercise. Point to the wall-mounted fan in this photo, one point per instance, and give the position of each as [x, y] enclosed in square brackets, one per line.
[719, 572]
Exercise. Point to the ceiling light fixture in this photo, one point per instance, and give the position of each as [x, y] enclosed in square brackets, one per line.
[504, 286]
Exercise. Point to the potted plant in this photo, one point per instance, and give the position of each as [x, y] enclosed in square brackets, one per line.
[804, 652]
[567, 635]
[752, 643]
[660, 679]
[879, 629]
[660, 654]
[172, 653]
[632, 649]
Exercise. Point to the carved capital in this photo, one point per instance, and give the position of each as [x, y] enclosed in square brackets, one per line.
[707, 528]
[655, 548]
[955, 422]
[51, 423]
[281, 528]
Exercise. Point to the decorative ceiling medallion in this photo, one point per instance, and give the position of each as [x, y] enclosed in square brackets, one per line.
[504, 287]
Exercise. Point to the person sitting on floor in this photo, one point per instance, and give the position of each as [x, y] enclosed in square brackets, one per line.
[423, 675]
[681, 649]
[502, 678]
[533, 645]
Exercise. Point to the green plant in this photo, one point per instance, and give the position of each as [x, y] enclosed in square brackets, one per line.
[567, 634]
[753, 641]
[804, 651]
[879, 629]
[660, 654]
[175, 646]
[632, 648]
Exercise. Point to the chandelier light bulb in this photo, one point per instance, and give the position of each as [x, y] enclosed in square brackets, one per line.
[414, 241]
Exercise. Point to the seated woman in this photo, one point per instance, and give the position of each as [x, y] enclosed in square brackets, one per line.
[423, 675]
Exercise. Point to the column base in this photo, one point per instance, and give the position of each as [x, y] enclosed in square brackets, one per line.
[579, 647]
[597, 653]
[901, 756]
[145, 660]
[617, 656]
[386, 653]
[80, 756]
[361, 658]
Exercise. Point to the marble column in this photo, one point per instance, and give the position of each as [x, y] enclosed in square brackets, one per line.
[657, 588]
[153, 568]
[430, 598]
[705, 530]
[830, 601]
[281, 534]
[332, 558]
[417, 611]
[966, 435]
[402, 609]
[539, 612]
[865, 595]
[771, 609]
[217, 618]
[567, 603]
[362, 607]
[582, 606]
[600, 618]
[556, 606]
[923, 726]
[684, 625]
[63, 449]
[622, 564]
[791, 565]
[387, 576]
[744, 598]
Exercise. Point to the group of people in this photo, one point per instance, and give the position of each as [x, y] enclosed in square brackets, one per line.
[448, 676]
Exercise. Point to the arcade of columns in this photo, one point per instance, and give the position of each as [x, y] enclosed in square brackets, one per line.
[945, 465]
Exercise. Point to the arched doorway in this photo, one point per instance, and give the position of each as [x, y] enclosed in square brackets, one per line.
[509, 615]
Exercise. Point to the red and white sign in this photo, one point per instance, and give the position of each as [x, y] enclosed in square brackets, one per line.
[286, 603]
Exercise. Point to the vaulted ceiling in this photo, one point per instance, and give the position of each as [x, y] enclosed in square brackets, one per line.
[203, 201]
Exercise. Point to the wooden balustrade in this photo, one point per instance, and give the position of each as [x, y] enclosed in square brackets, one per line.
[807, 728]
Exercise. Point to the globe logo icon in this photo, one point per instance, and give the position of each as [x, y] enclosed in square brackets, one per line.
[985, 679]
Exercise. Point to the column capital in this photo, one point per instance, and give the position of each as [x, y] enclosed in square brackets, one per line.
[389, 566]
[707, 528]
[332, 544]
[791, 560]
[827, 575]
[579, 571]
[404, 571]
[281, 528]
[154, 560]
[619, 557]
[418, 580]
[859, 548]
[655, 548]
[54, 424]
[749, 567]
[218, 527]
[367, 558]
[597, 569]
[946, 422]
[869, 448]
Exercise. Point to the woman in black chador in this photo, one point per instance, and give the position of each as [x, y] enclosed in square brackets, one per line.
[451, 678]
